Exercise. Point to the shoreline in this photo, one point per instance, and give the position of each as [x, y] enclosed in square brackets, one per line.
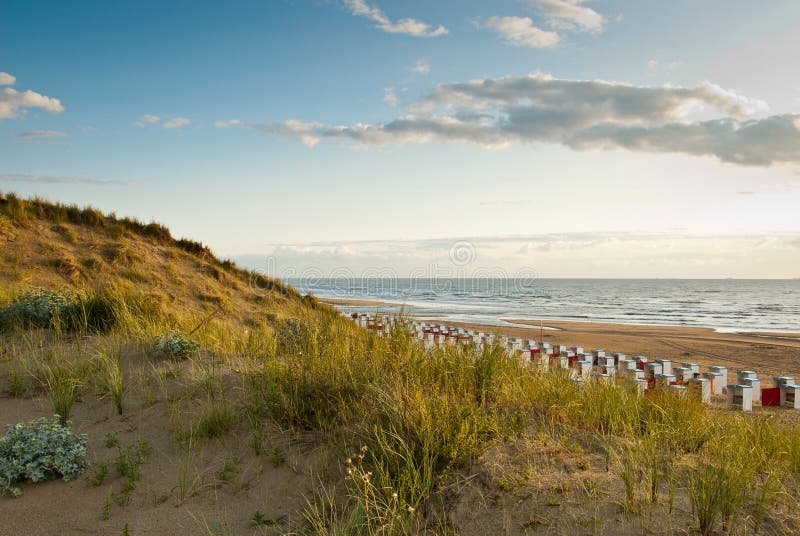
[551, 323]
[770, 353]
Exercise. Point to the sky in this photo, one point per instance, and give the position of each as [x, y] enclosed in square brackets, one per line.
[567, 138]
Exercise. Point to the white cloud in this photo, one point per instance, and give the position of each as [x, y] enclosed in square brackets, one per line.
[147, 119]
[176, 122]
[520, 31]
[43, 134]
[7, 79]
[569, 14]
[306, 133]
[407, 26]
[581, 114]
[228, 123]
[420, 67]
[390, 97]
[14, 103]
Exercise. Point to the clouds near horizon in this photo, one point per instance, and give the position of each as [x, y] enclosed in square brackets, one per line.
[583, 115]
[607, 254]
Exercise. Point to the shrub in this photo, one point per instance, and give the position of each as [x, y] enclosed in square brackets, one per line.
[63, 310]
[175, 345]
[39, 450]
[35, 308]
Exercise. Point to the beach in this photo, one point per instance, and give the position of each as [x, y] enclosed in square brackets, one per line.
[767, 353]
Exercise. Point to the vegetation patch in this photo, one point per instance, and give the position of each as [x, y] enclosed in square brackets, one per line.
[175, 344]
[40, 450]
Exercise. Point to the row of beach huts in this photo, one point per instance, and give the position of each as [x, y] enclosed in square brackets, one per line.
[598, 365]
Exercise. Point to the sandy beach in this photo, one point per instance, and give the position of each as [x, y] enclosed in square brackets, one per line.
[767, 353]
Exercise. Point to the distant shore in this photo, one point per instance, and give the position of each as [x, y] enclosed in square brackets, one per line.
[766, 352]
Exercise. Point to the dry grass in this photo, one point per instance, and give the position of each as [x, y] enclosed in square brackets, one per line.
[441, 441]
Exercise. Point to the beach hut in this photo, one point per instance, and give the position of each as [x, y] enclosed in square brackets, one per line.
[779, 381]
[717, 382]
[562, 361]
[608, 370]
[701, 388]
[695, 368]
[601, 377]
[683, 374]
[666, 365]
[679, 389]
[790, 396]
[723, 371]
[652, 369]
[640, 361]
[740, 397]
[746, 374]
[664, 380]
[583, 368]
[755, 383]
[641, 385]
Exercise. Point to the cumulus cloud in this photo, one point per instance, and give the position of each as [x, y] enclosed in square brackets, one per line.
[390, 97]
[420, 67]
[147, 119]
[14, 103]
[569, 14]
[42, 134]
[520, 31]
[176, 122]
[407, 26]
[307, 133]
[758, 142]
[582, 114]
[228, 123]
[7, 79]
[54, 179]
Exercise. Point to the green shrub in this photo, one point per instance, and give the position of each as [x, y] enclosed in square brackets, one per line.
[175, 345]
[39, 450]
[63, 310]
[35, 308]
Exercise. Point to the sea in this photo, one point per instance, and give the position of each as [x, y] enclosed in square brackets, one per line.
[726, 305]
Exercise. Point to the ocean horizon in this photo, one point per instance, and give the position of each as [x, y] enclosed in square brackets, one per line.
[721, 304]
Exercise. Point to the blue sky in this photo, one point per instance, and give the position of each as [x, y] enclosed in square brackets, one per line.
[370, 163]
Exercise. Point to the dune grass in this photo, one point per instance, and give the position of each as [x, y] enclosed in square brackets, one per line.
[424, 415]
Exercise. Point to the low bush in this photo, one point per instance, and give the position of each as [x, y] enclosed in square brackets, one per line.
[40, 450]
[174, 344]
[62, 310]
[36, 308]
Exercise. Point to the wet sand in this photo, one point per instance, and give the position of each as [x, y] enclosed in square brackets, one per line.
[768, 353]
